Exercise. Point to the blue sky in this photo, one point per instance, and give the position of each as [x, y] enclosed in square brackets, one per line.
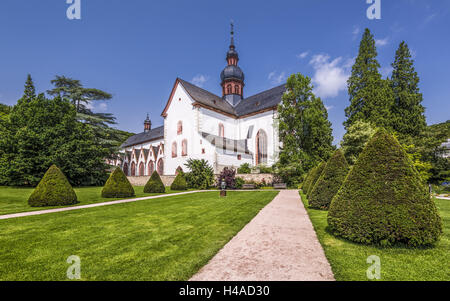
[136, 49]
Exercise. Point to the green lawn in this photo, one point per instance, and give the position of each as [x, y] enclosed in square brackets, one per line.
[13, 200]
[168, 238]
[348, 260]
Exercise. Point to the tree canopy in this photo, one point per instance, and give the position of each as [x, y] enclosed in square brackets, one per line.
[371, 97]
[40, 132]
[304, 129]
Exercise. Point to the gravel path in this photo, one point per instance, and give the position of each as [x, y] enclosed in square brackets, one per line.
[278, 244]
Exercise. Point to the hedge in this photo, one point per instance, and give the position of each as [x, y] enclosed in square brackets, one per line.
[383, 200]
[117, 186]
[154, 184]
[329, 181]
[53, 190]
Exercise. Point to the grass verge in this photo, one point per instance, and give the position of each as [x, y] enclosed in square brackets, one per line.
[14, 200]
[348, 259]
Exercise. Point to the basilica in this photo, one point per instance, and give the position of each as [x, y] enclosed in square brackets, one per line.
[226, 130]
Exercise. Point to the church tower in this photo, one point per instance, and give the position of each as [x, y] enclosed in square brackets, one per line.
[232, 77]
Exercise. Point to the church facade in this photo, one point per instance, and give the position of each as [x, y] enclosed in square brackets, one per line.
[226, 130]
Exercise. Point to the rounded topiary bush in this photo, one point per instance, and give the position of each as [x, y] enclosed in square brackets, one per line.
[53, 190]
[383, 200]
[154, 184]
[179, 183]
[315, 174]
[329, 181]
[117, 186]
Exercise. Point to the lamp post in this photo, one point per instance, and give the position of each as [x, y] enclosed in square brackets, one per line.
[223, 186]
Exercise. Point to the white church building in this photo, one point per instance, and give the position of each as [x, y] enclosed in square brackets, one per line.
[226, 130]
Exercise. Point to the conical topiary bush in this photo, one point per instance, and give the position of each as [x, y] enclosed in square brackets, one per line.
[306, 180]
[117, 186]
[329, 181]
[315, 174]
[383, 199]
[154, 184]
[179, 183]
[53, 190]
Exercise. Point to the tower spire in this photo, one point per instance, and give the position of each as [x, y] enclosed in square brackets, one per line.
[232, 77]
[232, 35]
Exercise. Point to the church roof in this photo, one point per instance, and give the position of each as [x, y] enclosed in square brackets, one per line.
[253, 104]
[206, 98]
[261, 101]
[153, 134]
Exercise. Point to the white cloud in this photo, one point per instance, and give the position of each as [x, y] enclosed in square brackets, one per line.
[386, 71]
[302, 55]
[328, 107]
[102, 107]
[277, 78]
[382, 42]
[330, 77]
[356, 31]
[199, 80]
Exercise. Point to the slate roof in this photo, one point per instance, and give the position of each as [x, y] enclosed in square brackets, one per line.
[153, 134]
[226, 143]
[207, 98]
[258, 102]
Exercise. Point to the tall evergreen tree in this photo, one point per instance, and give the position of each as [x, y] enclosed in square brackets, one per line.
[81, 97]
[408, 117]
[371, 97]
[305, 131]
[30, 91]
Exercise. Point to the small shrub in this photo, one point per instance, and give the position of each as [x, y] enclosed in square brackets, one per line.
[53, 190]
[154, 184]
[200, 175]
[244, 169]
[228, 175]
[265, 169]
[329, 182]
[179, 183]
[383, 200]
[117, 186]
[238, 182]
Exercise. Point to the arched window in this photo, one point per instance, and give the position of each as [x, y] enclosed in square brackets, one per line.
[141, 169]
[184, 147]
[133, 169]
[160, 166]
[179, 127]
[174, 150]
[151, 168]
[261, 147]
[125, 169]
[229, 89]
[221, 130]
[236, 89]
